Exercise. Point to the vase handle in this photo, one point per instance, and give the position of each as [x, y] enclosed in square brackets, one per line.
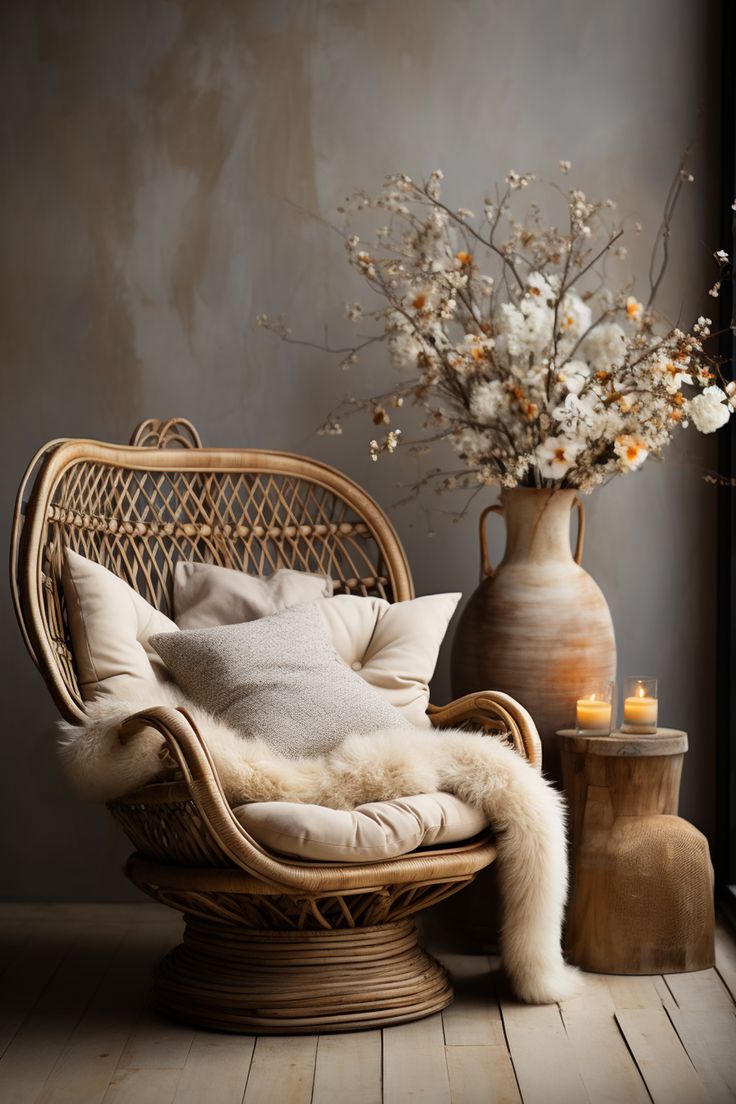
[486, 567]
[577, 504]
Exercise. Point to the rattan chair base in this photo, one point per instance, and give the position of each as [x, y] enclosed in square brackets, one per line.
[259, 982]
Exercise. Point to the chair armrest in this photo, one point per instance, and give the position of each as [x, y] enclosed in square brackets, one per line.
[497, 712]
[228, 842]
[186, 749]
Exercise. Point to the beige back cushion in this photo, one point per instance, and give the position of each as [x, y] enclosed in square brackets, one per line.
[373, 832]
[206, 595]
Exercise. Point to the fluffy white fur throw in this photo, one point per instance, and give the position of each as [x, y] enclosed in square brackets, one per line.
[525, 812]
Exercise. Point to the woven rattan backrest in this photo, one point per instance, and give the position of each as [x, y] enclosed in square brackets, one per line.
[137, 510]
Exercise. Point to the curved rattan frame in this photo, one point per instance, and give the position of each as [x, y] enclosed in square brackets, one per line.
[243, 904]
[32, 519]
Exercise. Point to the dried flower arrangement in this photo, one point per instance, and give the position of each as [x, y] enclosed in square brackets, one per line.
[510, 337]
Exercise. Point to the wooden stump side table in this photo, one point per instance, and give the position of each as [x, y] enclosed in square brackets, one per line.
[641, 897]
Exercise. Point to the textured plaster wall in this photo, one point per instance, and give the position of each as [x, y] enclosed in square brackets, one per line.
[165, 169]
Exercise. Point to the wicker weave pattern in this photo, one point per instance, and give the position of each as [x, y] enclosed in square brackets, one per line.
[301, 911]
[138, 511]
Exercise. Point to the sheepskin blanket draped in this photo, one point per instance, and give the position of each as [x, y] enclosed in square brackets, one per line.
[523, 809]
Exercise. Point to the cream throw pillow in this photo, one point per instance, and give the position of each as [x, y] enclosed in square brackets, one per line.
[371, 833]
[207, 594]
[110, 626]
[393, 646]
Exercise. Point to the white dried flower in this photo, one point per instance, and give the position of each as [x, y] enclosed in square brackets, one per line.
[539, 286]
[574, 316]
[556, 456]
[672, 372]
[721, 256]
[574, 376]
[486, 401]
[331, 428]
[634, 309]
[709, 410]
[631, 452]
[565, 167]
[605, 346]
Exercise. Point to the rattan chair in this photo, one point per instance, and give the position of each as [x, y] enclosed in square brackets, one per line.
[271, 945]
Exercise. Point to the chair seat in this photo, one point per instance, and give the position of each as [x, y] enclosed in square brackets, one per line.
[371, 833]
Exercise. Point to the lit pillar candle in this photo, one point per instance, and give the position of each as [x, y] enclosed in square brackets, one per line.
[593, 714]
[640, 710]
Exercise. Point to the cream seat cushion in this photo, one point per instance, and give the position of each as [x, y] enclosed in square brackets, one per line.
[371, 833]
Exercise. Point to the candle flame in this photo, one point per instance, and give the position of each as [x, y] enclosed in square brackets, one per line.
[640, 691]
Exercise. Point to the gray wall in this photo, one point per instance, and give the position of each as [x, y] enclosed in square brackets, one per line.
[163, 166]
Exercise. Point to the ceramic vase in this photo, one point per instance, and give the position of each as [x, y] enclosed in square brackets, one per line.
[538, 626]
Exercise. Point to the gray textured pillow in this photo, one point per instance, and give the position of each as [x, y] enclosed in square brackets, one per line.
[278, 678]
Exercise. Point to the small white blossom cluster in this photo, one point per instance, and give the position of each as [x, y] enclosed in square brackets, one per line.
[506, 334]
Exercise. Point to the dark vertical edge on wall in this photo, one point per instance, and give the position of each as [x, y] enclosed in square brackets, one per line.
[725, 850]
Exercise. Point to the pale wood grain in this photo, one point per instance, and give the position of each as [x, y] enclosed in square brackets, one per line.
[156, 1043]
[700, 990]
[594, 996]
[709, 1037]
[41, 1038]
[638, 992]
[414, 1066]
[349, 1066]
[474, 1018]
[282, 1070]
[481, 1073]
[216, 1069]
[90, 1057]
[602, 1058]
[542, 1054]
[150, 1086]
[669, 1075]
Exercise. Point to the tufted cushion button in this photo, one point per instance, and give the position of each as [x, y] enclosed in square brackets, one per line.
[357, 666]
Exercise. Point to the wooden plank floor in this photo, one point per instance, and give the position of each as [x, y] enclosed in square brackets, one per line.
[76, 1027]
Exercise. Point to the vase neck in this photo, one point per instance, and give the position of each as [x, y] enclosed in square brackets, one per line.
[537, 525]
